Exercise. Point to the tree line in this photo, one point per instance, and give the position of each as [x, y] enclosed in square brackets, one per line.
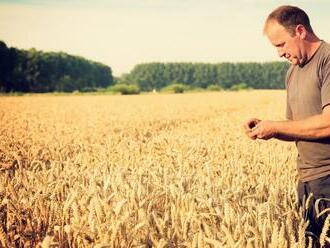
[270, 75]
[36, 71]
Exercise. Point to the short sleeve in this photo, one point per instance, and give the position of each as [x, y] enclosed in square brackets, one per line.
[324, 72]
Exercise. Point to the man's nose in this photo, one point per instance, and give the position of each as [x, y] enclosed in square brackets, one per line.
[280, 52]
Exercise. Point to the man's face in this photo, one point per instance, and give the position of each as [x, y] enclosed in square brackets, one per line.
[288, 46]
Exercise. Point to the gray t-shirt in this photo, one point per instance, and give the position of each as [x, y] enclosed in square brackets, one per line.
[308, 92]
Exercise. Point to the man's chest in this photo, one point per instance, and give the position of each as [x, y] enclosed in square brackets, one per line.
[304, 93]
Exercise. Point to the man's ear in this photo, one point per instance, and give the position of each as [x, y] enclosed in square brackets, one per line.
[301, 31]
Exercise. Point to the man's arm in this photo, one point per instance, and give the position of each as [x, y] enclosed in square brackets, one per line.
[251, 124]
[314, 127]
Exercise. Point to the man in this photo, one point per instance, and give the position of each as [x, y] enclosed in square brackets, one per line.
[308, 106]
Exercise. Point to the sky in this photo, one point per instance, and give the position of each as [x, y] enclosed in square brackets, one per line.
[124, 33]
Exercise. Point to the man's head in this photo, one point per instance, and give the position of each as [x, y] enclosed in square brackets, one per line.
[288, 28]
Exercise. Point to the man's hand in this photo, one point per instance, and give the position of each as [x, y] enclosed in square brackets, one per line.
[250, 125]
[263, 130]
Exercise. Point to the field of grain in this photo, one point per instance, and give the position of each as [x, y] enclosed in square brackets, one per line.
[145, 171]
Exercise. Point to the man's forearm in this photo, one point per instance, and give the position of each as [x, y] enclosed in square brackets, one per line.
[314, 127]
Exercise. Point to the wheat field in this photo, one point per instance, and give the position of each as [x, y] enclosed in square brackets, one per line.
[158, 170]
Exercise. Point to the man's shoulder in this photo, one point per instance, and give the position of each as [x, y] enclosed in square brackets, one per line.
[323, 63]
[321, 59]
[325, 47]
[324, 56]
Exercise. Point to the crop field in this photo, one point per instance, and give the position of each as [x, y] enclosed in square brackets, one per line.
[158, 170]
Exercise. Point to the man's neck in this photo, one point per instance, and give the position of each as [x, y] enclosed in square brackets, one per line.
[312, 44]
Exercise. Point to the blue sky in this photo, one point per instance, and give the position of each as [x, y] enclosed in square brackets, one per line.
[123, 33]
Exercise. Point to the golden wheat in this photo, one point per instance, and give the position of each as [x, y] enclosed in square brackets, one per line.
[148, 170]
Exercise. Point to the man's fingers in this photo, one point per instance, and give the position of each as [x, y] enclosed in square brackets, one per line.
[250, 124]
[251, 128]
[253, 134]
